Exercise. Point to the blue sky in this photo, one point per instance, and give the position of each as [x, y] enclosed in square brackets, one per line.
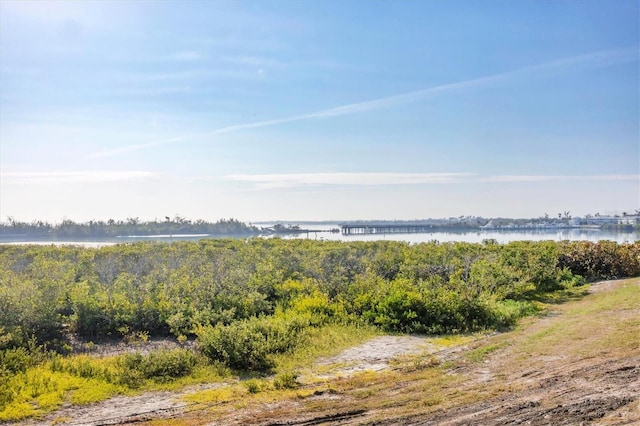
[318, 110]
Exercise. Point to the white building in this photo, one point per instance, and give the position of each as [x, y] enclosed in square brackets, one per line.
[632, 219]
[600, 220]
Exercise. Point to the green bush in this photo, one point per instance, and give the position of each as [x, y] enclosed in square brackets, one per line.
[82, 366]
[249, 344]
[19, 359]
[286, 381]
[253, 385]
[163, 365]
[506, 312]
[601, 260]
[13, 361]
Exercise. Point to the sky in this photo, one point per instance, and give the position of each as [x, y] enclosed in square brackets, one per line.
[318, 110]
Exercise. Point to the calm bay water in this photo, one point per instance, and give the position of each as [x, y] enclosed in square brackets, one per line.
[321, 232]
[501, 236]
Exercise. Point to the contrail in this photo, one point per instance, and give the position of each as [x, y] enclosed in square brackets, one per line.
[293, 180]
[598, 59]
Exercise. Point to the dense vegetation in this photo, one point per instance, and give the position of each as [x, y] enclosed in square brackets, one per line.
[246, 301]
[132, 226]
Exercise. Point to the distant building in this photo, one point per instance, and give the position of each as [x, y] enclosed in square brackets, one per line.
[489, 225]
[629, 220]
[600, 220]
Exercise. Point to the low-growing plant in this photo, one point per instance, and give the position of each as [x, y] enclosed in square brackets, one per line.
[421, 363]
[161, 366]
[505, 313]
[253, 385]
[136, 337]
[250, 344]
[14, 361]
[479, 354]
[43, 390]
[286, 381]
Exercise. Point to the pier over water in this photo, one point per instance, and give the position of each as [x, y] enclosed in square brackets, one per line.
[364, 228]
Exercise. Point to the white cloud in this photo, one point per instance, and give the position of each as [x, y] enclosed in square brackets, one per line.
[274, 181]
[57, 177]
[270, 181]
[554, 178]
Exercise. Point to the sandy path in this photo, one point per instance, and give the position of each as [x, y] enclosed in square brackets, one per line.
[376, 354]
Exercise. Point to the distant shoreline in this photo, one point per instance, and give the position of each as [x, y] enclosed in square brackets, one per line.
[441, 235]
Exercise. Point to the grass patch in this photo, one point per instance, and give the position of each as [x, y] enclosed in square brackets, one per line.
[286, 381]
[414, 362]
[626, 296]
[479, 354]
[255, 385]
[83, 379]
[451, 340]
[213, 396]
[323, 341]
[561, 296]
[40, 390]
[600, 322]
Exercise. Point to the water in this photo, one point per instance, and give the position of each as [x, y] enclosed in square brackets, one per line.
[476, 236]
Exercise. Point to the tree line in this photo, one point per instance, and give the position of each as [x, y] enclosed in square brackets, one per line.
[131, 226]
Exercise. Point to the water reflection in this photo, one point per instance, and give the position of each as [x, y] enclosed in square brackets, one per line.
[476, 236]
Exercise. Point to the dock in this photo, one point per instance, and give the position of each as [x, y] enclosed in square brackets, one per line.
[366, 228]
